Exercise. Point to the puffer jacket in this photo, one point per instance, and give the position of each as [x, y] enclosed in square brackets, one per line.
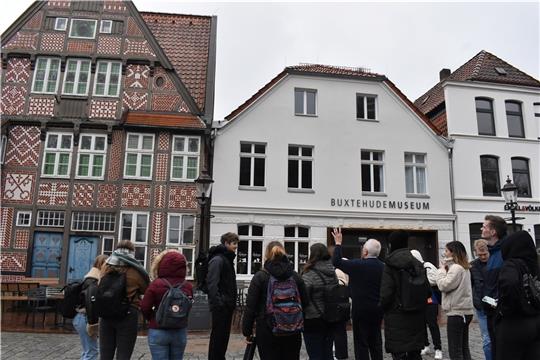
[169, 265]
[280, 268]
[478, 276]
[321, 274]
[221, 279]
[455, 286]
[403, 331]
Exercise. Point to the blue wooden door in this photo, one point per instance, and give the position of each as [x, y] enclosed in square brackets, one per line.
[47, 254]
[82, 252]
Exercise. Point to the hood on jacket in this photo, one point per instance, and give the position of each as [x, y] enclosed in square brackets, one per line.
[325, 267]
[280, 268]
[220, 250]
[169, 263]
[94, 273]
[520, 245]
[403, 259]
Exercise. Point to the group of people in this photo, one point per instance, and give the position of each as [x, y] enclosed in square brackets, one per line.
[283, 306]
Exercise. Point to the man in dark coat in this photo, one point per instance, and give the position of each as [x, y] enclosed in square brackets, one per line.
[365, 285]
[404, 331]
[221, 280]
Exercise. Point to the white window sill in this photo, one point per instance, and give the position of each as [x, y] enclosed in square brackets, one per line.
[106, 96]
[306, 115]
[368, 120]
[183, 180]
[53, 176]
[254, 188]
[75, 95]
[43, 93]
[305, 191]
[369, 193]
[419, 196]
[81, 37]
[90, 177]
[137, 178]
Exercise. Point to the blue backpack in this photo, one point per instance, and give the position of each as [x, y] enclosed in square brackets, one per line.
[173, 308]
[284, 306]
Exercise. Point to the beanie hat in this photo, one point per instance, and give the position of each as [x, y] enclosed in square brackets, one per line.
[398, 240]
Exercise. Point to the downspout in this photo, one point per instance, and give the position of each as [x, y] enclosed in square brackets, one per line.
[450, 143]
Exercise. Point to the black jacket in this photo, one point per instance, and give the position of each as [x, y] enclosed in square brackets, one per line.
[221, 279]
[478, 278]
[255, 310]
[403, 331]
[88, 293]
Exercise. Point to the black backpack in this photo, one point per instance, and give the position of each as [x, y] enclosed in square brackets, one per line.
[174, 308]
[337, 307]
[530, 292]
[111, 301]
[413, 290]
[72, 299]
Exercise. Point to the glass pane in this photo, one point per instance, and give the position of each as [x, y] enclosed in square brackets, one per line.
[81, 88]
[179, 144]
[63, 164]
[146, 160]
[245, 148]
[520, 164]
[140, 235]
[113, 89]
[360, 107]
[193, 145]
[289, 231]
[409, 180]
[289, 249]
[84, 160]
[307, 151]
[378, 178]
[293, 150]
[256, 230]
[174, 237]
[139, 254]
[188, 253]
[298, 101]
[490, 183]
[488, 163]
[145, 171]
[243, 229]
[306, 174]
[38, 85]
[256, 256]
[102, 69]
[50, 159]
[366, 178]
[86, 142]
[513, 107]
[377, 155]
[68, 88]
[364, 155]
[408, 158]
[311, 102]
[133, 142]
[370, 108]
[303, 254]
[486, 125]
[515, 126]
[52, 141]
[188, 224]
[303, 231]
[259, 172]
[98, 160]
[260, 149]
[293, 174]
[148, 142]
[420, 159]
[522, 182]
[100, 143]
[242, 257]
[245, 171]
[131, 159]
[421, 180]
[482, 104]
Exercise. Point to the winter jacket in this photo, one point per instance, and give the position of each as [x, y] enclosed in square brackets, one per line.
[255, 311]
[364, 282]
[171, 266]
[493, 267]
[455, 285]
[221, 279]
[88, 291]
[403, 331]
[478, 276]
[322, 273]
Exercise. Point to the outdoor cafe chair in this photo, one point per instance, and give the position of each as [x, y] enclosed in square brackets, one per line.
[38, 303]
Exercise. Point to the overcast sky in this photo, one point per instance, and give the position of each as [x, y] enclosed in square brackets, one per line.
[407, 42]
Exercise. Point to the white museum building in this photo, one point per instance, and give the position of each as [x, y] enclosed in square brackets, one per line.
[324, 146]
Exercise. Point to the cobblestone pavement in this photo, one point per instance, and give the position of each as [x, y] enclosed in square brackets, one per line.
[42, 346]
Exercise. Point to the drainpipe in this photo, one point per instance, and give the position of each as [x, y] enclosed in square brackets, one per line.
[450, 143]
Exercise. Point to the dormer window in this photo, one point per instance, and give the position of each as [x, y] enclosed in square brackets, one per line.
[106, 27]
[83, 28]
[60, 24]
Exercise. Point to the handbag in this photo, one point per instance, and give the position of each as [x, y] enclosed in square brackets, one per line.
[249, 353]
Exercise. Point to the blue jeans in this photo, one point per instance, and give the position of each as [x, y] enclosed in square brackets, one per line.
[319, 344]
[486, 341]
[89, 344]
[167, 344]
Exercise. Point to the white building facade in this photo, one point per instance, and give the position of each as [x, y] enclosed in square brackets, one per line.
[492, 115]
[320, 147]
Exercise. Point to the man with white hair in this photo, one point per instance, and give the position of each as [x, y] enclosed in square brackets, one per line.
[365, 276]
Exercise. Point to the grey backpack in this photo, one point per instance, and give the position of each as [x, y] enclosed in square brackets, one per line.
[173, 308]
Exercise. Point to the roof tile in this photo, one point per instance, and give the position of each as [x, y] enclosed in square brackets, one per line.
[164, 120]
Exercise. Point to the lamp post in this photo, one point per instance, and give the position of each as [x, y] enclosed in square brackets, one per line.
[204, 189]
[510, 193]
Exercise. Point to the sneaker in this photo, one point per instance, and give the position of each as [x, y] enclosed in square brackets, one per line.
[438, 355]
[425, 351]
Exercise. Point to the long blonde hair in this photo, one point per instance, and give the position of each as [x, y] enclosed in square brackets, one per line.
[274, 250]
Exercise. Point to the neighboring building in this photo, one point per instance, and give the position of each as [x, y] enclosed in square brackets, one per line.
[491, 112]
[323, 146]
[106, 119]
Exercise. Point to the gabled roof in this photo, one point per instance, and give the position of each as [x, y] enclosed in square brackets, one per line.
[163, 120]
[484, 67]
[309, 69]
[186, 40]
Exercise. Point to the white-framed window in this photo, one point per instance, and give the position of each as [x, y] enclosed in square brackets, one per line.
[3, 147]
[366, 107]
[107, 82]
[107, 245]
[93, 221]
[57, 155]
[24, 218]
[252, 164]
[185, 157]
[77, 77]
[60, 24]
[415, 173]
[139, 156]
[105, 27]
[296, 242]
[83, 28]
[249, 256]
[134, 227]
[91, 158]
[180, 230]
[305, 102]
[46, 75]
[300, 175]
[50, 218]
[372, 163]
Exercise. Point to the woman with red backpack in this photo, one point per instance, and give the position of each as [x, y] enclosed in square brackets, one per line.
[168, 270]
[277, 329]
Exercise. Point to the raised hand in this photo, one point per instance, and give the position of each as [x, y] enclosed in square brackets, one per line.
[338, 237]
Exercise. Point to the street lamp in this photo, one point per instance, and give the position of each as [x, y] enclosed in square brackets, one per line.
[204, 189]
[510, 193]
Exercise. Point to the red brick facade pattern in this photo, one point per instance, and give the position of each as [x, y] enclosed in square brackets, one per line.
[137, 47]
[79, 46]
[19, 187]
[52, 42]
[83, 195]
[59, 4]
[158, 222]
[103, 109]
[22, 41]
[114, 6]
[6, 225]
[109, 45]
[13, 261]
[137, 76]
[23, 146]
[162, 166]
[22, 239]
[107, 195]
[165, 102]
[35, 22]
[41, 106]
[135, 100]
[115, 163]
[160, 196]
[17, 71]
[182, 197]
[133, 28]
[13, 99]
[135, 195]
[53, 193]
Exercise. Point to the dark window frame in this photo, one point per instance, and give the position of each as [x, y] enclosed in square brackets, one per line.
[524, 172]
[515, 114]
[485, 111]
[495, 170]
